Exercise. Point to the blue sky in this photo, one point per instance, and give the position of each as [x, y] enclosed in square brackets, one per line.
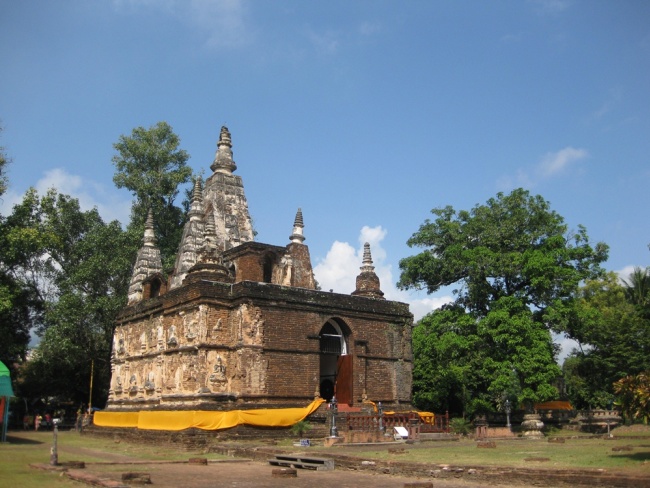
[366, 114]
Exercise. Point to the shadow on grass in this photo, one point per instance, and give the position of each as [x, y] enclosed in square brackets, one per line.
[635, 456]
[12, 439]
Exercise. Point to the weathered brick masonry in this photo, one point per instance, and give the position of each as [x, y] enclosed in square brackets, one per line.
[240, 324]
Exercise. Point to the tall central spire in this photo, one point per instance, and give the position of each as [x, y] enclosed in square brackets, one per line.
[223, 162]
[223, 195]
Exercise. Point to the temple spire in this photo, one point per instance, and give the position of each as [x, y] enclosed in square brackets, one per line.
[367, 259]
[298, 225]
[149, 235]
[223, 162]
[148, 262]
[368, 281]
[196, 206]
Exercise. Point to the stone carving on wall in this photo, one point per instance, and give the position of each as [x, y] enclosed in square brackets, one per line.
[190, 324]
[133, 384]
[190, 374]
[150, 383]
[202, 316]
[120, 345]
[251, 371]
[256, 331]
[217, 327]
[118, 380]
[250, 325]
[190, 331]
[285, 270]
[171, 369]
[172, 341]
[218, 375]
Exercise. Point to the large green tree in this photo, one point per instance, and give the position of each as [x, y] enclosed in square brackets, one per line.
[512, 261]
[608, 321]
[637, 289]
[83, 273]
[150, 164]
[21, 300]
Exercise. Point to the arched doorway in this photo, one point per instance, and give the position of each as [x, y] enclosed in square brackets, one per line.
[335, 362]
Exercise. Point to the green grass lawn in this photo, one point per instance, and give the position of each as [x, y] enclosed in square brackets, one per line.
[574, 453]
[25, 448]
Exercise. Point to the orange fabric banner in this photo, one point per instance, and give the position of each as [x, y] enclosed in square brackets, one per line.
[205, 419]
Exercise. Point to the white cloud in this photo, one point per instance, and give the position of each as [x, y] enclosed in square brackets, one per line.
[111, 205]
[369, 28]
[341, 266]
[336, 271]
[553, 163]
[327, 41]
[422, 306]
[223, 21]
[608, 106]
[624, 273]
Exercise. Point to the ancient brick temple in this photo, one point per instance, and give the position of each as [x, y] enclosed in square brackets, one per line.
[241, 324]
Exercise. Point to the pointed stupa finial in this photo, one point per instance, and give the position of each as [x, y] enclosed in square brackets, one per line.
[149, 235]
[368, 282]
[367, 258]
[210, 228]
[223, 162]
[196, 206]
[147, 263]
[298, 226]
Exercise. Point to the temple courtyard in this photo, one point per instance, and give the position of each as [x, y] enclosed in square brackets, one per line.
[562, 460]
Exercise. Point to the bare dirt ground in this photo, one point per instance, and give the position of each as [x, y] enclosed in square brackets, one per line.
[242, 473]
[245, 473]
[255, 474]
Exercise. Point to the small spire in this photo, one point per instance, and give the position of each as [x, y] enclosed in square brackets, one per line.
[197, 196]
[149, 235]
[196, 206]
[210, 228]
[223, 162]
[367, 258]
[368, 282]
[298, 225]
[210, 224]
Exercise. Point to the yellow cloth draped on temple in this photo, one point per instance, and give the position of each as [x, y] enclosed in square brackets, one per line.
[205, 419]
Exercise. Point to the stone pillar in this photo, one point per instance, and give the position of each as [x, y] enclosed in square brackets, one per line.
[532, 426]
[481, 427]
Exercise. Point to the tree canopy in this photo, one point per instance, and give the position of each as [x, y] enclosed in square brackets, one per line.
[64, 272]
[21, 301]
[512, 261]
[150, 164]
[611, 325]
[80, 268]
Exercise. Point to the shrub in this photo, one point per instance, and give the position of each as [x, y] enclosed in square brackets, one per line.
[300, 428]
[459, 425]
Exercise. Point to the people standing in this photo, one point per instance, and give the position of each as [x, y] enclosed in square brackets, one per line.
[79, 422]
[37, 421]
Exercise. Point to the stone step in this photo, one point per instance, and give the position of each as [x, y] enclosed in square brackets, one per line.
[303, 462]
